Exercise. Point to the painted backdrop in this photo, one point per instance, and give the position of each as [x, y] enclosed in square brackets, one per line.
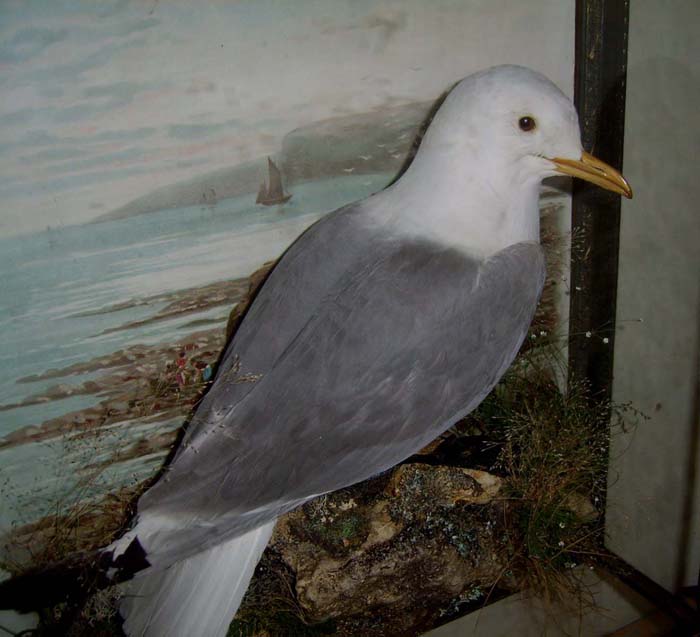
[137, 197]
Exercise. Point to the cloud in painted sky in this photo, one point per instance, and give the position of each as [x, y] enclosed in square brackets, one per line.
[131, 26]
[70, 162]
[28, 43]
[19, 117]
[71, 71]
[41, 138]
[123, 90]
[52, 154]
[199, 131]
[62, 183]
[97, 100]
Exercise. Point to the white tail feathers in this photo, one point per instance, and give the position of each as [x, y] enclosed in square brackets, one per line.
[197, 596]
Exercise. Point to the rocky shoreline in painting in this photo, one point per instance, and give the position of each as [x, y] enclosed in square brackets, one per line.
[142, 383]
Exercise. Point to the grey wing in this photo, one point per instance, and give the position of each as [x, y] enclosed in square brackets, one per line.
[404, 346]
[305, 273]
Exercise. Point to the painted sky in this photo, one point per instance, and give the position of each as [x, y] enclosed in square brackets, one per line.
[102, 102]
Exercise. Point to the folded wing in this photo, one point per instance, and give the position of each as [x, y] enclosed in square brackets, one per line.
[404, 338]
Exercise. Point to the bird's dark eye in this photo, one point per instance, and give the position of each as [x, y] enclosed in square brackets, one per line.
[527, 123]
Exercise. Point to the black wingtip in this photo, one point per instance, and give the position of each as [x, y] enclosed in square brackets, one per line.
[129, 562]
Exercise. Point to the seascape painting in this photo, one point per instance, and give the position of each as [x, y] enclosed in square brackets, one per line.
[135, 139]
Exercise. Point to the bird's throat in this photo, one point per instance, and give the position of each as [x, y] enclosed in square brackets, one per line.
[474, 219]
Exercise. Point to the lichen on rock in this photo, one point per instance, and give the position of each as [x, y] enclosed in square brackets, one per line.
[396, 548]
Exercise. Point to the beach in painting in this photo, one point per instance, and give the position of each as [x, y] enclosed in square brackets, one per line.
[94, 318]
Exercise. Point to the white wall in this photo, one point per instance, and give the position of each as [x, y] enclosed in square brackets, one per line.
[654, 502]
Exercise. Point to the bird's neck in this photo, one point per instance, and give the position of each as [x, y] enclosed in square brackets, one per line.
[477, 215]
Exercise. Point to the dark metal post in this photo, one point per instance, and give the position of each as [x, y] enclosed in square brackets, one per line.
[599, 94]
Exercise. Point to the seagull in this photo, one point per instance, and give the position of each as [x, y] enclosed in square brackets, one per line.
[382, 325]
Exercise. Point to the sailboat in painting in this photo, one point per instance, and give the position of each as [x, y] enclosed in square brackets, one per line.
[272, 193]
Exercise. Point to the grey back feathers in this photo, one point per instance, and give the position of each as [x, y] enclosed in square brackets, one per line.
[360, 349]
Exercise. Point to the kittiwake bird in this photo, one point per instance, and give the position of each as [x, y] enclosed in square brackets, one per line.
[385, 323]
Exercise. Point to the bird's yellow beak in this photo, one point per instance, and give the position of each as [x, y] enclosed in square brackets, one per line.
[595, 171]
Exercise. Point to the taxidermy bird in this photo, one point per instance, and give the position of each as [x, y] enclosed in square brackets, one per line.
[384, 324]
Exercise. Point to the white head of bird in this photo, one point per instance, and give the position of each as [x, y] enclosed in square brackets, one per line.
[475, 180]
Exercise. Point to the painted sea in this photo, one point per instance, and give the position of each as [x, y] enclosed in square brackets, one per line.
[69, 295]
